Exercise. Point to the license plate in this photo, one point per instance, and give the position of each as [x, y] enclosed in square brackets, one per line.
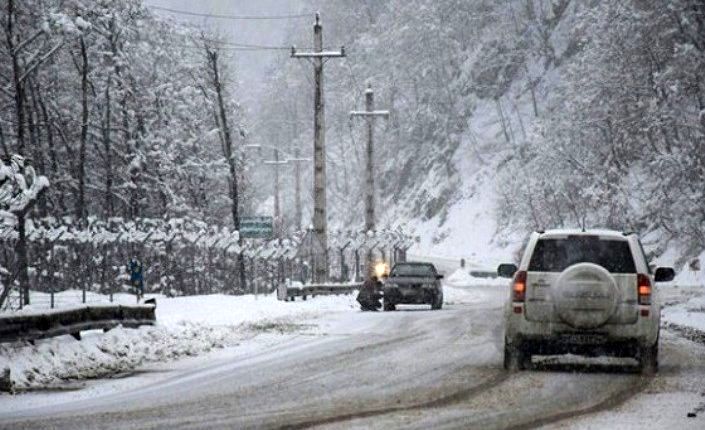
[584, 339]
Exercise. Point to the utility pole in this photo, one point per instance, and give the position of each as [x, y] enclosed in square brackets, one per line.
[297, 191]
[320, 224]
[297, 160]
[370, 114]
[277, 205]
[277, 208]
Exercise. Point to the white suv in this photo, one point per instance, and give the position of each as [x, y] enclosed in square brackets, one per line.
[583, 292]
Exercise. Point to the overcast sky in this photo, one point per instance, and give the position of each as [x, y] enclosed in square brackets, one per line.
[251, 66]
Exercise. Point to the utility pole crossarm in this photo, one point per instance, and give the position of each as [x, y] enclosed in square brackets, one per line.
[382, 113]
[323, 54]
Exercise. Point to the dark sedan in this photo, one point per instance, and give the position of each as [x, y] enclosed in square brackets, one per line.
[413, 283]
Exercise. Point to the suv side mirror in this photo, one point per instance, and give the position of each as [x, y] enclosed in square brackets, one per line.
[507, 270]
[439, 276]
[664, 274]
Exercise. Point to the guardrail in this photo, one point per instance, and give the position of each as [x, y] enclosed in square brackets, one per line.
[34, 326]
[288, 292]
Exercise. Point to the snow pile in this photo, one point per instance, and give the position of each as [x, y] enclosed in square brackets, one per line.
[476, 294]
[691, 313]
[221, 309]
[51, 361]
[463, 278]
[692, 273]
[187, 326]
[459, 278]
[689, 278]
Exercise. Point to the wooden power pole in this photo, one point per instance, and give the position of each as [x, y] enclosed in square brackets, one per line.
[297, 186]
[320, 225]
[277, 194]
[370, 114]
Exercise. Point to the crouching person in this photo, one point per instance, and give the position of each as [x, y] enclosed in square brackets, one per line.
[369, 295]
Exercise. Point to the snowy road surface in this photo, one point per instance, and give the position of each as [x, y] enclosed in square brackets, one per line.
[408, 369]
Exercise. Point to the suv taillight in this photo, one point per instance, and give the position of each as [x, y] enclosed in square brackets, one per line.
[519, 286]
[643, 288]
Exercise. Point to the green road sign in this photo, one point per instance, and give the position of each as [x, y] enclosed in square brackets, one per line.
[256, 227]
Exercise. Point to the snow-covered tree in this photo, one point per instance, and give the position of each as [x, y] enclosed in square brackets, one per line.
[19, 189]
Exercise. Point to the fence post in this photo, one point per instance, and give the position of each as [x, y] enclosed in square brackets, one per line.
[281, 273]
[253, 275]
[82, 270]
[51, 292]
[357, 265]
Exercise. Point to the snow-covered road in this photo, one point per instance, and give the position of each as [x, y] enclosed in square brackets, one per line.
[409, 369]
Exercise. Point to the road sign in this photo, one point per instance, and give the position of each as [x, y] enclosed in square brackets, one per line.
[256, 227]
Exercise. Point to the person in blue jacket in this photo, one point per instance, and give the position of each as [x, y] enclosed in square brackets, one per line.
[136, 278]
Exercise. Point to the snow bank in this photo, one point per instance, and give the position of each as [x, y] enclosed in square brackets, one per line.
[691, 313]
[220, 309]
[52, 361]
[463, 278]
[459, 278]
[187, 326]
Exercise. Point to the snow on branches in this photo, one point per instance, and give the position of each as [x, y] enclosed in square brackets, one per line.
[19, 189]
[148, 232]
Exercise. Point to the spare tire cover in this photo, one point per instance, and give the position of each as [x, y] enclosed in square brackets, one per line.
[585, 296]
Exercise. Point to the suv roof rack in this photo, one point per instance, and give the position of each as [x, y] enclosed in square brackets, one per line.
[628, 233]
[541, 231]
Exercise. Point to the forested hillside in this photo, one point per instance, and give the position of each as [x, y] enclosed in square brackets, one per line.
[537, 113]
[507, 116]
[622, 140]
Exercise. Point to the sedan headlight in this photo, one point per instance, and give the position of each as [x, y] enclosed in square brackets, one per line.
[381, 269]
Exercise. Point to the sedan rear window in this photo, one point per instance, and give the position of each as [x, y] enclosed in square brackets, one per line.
[555, 255]
[413, 271]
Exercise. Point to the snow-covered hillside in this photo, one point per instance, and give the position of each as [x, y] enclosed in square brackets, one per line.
[468, 227]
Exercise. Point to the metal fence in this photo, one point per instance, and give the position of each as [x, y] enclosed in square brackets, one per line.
[180, 257]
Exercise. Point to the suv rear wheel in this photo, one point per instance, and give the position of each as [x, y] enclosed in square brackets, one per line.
[515, 357]
[648, 359]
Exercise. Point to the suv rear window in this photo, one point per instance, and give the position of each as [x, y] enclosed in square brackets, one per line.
[555, 255]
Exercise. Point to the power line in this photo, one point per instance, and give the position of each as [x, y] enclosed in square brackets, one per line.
[235, 17]
[222, 48]
[246, 45]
